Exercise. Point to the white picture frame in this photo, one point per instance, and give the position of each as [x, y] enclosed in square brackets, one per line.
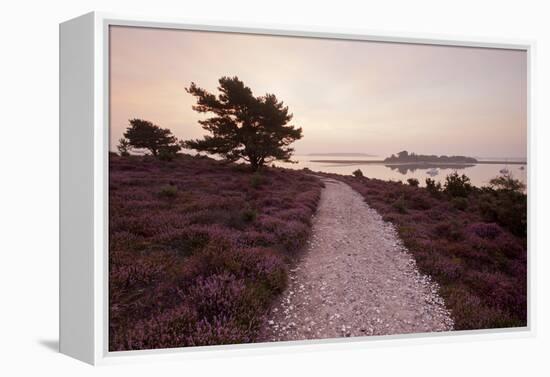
[84, 148]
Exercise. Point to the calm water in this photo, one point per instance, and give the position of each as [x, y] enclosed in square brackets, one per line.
[478, 174]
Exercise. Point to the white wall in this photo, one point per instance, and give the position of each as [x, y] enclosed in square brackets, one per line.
[29, 184]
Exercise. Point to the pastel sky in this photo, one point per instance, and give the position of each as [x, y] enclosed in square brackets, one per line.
[348, 96]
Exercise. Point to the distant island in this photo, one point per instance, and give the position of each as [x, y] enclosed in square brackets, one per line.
[414, 161]
[406, 157]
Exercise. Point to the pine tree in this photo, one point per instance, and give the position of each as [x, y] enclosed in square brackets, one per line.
[246, 127]
[144, 134]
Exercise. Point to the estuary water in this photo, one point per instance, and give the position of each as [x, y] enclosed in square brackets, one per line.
[479, 174]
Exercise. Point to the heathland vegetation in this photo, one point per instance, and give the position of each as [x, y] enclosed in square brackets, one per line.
[199, 248]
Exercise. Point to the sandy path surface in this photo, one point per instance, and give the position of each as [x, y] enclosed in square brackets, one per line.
[354, 279]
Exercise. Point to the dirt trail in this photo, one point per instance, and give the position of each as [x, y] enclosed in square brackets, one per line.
[355, 279]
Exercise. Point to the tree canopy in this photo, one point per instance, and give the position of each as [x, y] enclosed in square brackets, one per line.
[246, 127]
[143, 134]
[405, 156]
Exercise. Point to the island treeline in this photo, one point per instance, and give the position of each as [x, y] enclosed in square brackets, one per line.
[405, 156]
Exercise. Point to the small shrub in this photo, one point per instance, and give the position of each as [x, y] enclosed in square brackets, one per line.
[485, 230]
[168, 191]
[217, 295]
[507, 208]
[457, 185]
[507, 182]
[413, 182]
[256, 180]
[419, 202]
[451, 231]
[459, 203]
[186, 242]
[249, 214]
[358, 173]
[399, 204]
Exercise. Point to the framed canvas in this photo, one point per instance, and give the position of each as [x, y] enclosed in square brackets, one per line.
[252, 188]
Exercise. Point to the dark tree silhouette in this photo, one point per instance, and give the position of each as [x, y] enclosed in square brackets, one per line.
[405, 156]
[246, 127]
[124, 147]
[144, 134]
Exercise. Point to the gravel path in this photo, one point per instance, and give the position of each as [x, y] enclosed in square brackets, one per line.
[355, 279]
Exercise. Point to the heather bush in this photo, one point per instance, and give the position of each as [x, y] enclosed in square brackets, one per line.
[451, 231]
[184, 241]
[249, 214]
[217, 295]
[216, 216]
[399, 205]
[288, 233]
[300, 214]
[164, 329]
[459, 203]
[485, 230]
[203, 267]
[418, 200]
[257, 238]
[506, 207]
[168, 191]
[256, 180]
